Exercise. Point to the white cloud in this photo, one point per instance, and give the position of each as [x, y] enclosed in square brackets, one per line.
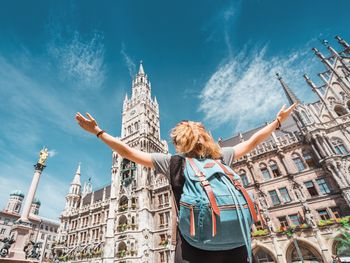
[52, 153]
[244, 91]
[128, 61]
[79, 59]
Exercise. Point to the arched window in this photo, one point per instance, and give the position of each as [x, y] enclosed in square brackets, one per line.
[265, 172]
[274, 168]
[123, 203]
[244, 177]
[122, 248]
[298, 162]
[18, 207]
[306, 254]
[348, 104]
[122, 223]
[340, 110]
[309, 159]
[339, 146]
[341, 248]
[262, 256]
[306, 118]
[136, 125]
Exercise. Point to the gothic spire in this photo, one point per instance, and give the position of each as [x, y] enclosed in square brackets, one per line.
[76, 179]
[292, 98]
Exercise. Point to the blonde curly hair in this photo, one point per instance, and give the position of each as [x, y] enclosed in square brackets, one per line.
[192, 139]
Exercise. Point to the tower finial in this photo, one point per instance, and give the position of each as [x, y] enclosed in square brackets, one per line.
[141, 70]
[343, 43]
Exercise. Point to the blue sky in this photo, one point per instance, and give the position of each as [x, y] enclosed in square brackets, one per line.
[210, 61]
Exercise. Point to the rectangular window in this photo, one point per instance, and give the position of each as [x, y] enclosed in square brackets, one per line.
[299, 164]
[2, 231]
[258, 225]
[161, 219]
[336, 212]
[324, 214]
[6, 222]
[266, 174]
[160, 200]
[244, 179]
[311, 188]
[166, 198]
[284, 194]
[323, 186]
[162, 257]
[283, 221]
[274, 197]
[309, 160]
[275, 170]
[294, 219]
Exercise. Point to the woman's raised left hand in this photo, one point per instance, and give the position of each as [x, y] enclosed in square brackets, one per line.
[283, 114]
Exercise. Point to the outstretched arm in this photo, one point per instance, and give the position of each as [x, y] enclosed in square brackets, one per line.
[90, 125]
[243, 148]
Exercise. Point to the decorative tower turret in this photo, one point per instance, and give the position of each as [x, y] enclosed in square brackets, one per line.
[15, 202]
[34, 209]
[73, 197]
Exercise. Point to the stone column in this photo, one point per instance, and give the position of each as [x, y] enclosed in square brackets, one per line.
[326, 146]
[323, 154]
[31, 193]
[315, 151]
[21, 229]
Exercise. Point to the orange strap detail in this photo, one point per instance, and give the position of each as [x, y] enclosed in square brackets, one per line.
[213, 220]
[192, 227]
[239, 187]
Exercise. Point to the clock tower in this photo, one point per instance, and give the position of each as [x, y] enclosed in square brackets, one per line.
[140, 117]
[140, 197]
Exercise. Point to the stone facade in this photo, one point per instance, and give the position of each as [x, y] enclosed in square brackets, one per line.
[300, 175]
[43, 230]
[299, 178]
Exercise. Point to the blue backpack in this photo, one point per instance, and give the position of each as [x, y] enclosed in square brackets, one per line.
[216, 212]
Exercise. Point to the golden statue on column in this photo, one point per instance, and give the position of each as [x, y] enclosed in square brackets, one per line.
[44, 153]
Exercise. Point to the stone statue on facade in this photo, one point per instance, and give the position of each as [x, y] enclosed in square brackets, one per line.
[310, 219]
[8, 241]
[298, 192]
[32, 250]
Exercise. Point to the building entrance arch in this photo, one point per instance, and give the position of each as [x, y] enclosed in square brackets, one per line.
[263, 255]
[308, 253]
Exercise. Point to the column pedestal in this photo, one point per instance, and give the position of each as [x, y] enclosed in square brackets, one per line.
[21, 235]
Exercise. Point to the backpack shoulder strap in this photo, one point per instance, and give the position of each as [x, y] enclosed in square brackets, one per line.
[175, 167]
[206, 185]
[238, 185]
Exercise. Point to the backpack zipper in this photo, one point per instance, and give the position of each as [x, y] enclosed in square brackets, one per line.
[222, 207]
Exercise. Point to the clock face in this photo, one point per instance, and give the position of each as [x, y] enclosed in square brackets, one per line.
[133, 112]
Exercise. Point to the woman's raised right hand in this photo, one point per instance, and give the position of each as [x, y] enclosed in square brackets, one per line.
[89, 125]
